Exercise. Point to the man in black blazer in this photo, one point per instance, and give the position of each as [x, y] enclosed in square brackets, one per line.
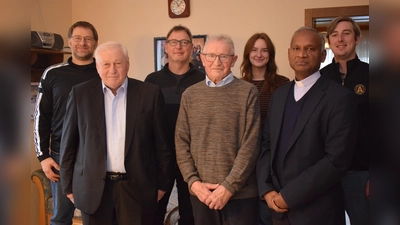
[308, 141]
[116, 162]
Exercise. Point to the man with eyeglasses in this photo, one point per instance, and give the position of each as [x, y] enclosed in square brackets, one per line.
[173, 79]
[217, 140]
[53, 91]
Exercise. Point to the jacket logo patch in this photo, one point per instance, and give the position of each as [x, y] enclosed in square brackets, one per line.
[360, 89]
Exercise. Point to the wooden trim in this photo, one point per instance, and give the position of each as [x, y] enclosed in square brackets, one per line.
[50, 51]
[311, 14]
[39, 178]
[76, 221]
[43, 218]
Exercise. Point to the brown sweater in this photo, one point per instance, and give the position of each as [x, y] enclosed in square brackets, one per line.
[217, 136]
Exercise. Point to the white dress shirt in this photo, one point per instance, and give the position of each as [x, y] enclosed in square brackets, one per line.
[303, 86]
[115, 112]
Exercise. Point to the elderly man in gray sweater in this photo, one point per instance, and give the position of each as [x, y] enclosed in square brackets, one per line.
[217, 140]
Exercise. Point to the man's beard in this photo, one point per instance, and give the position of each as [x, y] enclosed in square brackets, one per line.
[83, 57]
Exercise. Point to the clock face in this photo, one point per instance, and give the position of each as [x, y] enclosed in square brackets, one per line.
[178, 7]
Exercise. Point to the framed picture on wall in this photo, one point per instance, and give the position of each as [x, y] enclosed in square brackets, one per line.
[161, 57]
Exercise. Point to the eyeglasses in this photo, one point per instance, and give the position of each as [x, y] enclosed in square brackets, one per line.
[79, 39]
[211, 57]
[183, 42]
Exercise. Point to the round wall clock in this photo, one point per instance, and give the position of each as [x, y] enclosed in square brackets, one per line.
[178, 8]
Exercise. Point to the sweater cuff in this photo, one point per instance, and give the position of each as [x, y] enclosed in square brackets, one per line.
[43, 157]
[228, 187]
[192, 180]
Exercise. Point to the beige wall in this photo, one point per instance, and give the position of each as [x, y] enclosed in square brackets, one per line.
[51, 16]
[135, 23]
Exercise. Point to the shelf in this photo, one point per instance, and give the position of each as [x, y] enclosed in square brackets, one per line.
[43, 58]
[51, 51]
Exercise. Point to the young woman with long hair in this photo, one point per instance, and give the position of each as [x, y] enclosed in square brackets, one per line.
[259, 68]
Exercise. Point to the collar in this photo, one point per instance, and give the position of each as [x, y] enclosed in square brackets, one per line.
[349, 63]
[123, 86]
[227, 79]
[82, 67]
[308, 80]
[166, 69]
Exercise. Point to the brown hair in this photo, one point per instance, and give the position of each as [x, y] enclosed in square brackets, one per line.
[85, 25]
[180, 28]
[332, 25]
[272, 68]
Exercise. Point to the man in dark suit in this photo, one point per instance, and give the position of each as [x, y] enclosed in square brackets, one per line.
[116, 161]
[308, 141]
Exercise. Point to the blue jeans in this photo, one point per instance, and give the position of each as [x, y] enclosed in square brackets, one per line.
[63, 211]
[356, 203]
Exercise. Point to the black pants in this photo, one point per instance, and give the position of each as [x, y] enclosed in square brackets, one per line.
[283, 221]
[118, 206]
[265, 215]
[185, 207]
[236, 212]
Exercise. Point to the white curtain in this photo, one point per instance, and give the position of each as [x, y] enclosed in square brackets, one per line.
[362, 49]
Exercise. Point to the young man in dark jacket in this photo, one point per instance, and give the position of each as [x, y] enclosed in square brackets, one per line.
[343, 36]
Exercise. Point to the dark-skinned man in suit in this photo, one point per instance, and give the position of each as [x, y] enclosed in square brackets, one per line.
[308, 141]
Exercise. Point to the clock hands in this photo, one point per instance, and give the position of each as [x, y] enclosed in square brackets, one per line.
[178, 8]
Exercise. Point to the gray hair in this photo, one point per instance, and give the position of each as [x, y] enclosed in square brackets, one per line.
[220, 37]
[110, 45]
[315, 31]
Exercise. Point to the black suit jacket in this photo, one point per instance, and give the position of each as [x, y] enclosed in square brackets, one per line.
[318, 155]
[148, 156]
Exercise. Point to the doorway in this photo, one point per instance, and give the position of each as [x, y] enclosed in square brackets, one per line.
[319, 18]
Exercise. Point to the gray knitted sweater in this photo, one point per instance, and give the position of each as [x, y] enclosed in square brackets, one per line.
[217, 136]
